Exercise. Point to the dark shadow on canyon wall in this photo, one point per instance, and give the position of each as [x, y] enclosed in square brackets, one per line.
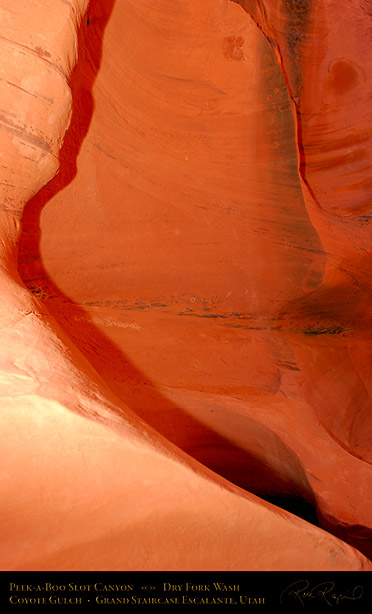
[218, 453]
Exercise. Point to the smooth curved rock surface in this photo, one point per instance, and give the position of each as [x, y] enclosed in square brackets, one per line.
[188, 337]
[326, 65]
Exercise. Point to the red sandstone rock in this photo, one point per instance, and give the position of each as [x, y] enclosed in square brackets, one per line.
[180, 272]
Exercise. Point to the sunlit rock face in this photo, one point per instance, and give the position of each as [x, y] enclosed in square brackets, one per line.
[185, 317]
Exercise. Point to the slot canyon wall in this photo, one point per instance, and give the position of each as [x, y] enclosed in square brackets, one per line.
[185, 260]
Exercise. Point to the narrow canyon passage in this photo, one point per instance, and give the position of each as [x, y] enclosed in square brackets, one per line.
[172, 307]
[166, 360]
